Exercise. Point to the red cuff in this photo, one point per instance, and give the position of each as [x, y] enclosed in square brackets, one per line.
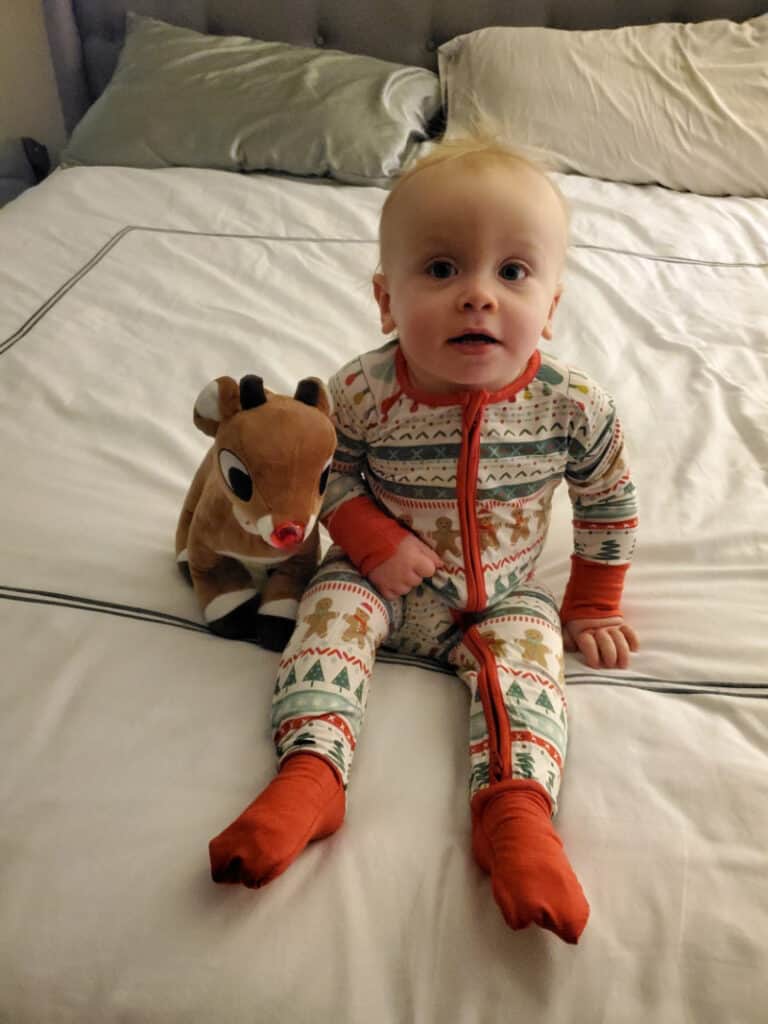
[368, 535]
[594, 590]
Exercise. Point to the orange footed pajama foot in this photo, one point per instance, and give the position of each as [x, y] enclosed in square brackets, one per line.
[305, 801]
[514, 840]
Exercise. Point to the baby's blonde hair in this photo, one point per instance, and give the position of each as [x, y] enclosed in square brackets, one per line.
[480, 148]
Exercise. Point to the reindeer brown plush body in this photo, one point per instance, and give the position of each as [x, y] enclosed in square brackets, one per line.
[247, 535]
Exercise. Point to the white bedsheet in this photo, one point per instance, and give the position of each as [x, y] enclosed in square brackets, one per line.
[129, 736]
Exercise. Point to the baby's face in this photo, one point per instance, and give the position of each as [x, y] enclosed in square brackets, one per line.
[471, 260]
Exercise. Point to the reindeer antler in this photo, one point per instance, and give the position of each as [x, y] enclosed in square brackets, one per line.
[251, 391]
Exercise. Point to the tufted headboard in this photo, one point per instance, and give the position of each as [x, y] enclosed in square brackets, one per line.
[86, 35]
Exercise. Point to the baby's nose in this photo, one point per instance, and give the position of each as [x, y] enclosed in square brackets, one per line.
[479, 299]
[477, 295]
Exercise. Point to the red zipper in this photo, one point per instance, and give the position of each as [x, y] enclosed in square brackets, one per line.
[466, 485]
[494, 709]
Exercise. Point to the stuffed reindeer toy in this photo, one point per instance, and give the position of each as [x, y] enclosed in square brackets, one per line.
[248, 536]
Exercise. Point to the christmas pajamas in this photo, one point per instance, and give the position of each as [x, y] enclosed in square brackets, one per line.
[472, 474]
[510, 658]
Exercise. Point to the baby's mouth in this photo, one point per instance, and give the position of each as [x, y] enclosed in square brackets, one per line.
[473, 338]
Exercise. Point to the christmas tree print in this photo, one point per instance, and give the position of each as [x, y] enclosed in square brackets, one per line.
[336, 753]
[609, 549]
[515, 692]
[341, 680]
[524, 764]
[315, 674]
[291, 678]
[480, 777]
[305, 739]
[359, 692]
[544, 701]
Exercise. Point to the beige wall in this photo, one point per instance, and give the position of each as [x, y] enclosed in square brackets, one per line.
[28, 101]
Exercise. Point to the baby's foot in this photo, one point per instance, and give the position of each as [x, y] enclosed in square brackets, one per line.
[514, 840]
[305, 801]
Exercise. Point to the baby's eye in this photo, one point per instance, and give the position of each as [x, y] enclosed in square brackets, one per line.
[513, 272]
[441, 269]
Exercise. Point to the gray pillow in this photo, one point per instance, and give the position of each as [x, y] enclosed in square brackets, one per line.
[181, 98]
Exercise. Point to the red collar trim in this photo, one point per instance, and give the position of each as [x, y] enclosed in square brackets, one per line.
[461, 397]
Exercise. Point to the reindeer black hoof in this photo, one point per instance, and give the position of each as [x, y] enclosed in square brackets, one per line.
[274, 631]
[239, 624]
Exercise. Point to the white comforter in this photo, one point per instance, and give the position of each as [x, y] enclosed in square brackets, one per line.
[129, 735]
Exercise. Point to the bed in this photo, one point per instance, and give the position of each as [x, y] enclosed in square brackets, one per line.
[130, 735]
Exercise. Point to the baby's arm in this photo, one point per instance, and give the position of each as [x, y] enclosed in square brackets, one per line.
[392, 557]
[605, 522]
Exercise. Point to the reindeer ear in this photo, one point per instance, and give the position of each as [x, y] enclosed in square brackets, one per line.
[312, 391]
[218, 401]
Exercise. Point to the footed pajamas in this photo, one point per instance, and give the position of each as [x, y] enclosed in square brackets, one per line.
[472, 474]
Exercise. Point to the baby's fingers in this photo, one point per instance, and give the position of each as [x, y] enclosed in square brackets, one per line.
[612, 647]
[431, 555]
[626, 641]
[587, 644]
[631, 637]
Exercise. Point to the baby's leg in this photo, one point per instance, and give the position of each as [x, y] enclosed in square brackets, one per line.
[318, 708]
[512, 662]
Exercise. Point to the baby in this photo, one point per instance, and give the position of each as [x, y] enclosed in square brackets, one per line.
[451, 441]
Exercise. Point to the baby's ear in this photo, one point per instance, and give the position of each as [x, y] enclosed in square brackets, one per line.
[216, 402]
[381, 294]
[547, 329]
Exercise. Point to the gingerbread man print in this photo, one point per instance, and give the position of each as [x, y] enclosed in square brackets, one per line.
[487, 532]
[520, 529]
[533, 647]
[495, 643]
[445, 537]
[319, 619]
[357, 625]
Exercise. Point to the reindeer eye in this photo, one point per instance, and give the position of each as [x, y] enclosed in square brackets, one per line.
[324, 477]
[236, 476]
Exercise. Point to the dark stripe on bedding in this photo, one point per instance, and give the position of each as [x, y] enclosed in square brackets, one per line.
[53, 598]
[669, 686]
[680, 686]
[46, 307]
[690, 261]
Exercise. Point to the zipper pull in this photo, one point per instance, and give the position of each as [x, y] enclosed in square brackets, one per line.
[474, 404]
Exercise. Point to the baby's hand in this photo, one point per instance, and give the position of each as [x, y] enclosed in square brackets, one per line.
[605, 643]
[411, 563]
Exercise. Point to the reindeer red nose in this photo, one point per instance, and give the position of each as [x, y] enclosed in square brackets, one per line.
[287, 535]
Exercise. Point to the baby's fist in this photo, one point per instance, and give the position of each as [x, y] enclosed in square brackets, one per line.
[413, 562]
